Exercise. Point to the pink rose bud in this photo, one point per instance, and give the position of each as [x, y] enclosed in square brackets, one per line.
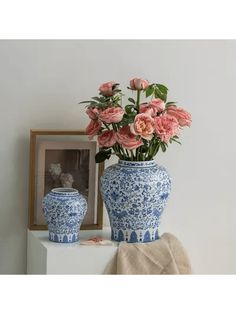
[154, 107]
[166, 127]
[138, 84]
[184, 118]
[107, 89]
[107, 138]
[127, 139]
[93, 128]
[112, 115]
[143, 125]
[92, 113]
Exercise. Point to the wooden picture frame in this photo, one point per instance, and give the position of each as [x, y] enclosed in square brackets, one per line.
[52, 153]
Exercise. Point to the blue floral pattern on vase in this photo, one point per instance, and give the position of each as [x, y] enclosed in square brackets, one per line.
[64, 210]
[135, 195]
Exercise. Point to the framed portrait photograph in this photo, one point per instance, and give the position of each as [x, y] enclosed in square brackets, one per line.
[60, 158]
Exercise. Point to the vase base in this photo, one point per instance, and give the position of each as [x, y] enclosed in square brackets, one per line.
[63, 238]
[134, 236]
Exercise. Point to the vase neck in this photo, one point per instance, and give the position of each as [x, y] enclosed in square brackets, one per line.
[137, 164]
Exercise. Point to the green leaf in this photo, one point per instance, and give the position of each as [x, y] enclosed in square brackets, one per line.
[162, 88]
[102, 155]
[160, 91]
[130, 110]
[156, 149]
[143, 149]
[115, 85]
[173, 139]
[131, 100]
[171, 103]
[163, 146]
[86, 102]
[97, 98]
[158, 94]
[127, 119]
[149, 91]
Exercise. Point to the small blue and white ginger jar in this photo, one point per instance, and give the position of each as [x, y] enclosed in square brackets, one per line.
[135, 195]
[64, 210]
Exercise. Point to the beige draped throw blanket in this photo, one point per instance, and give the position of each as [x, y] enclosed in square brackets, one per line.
[164, 256]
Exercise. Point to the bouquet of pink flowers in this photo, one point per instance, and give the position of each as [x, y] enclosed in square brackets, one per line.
[137, 131]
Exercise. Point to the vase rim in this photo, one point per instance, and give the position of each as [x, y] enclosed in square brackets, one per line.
[70, 191]
[130, 163]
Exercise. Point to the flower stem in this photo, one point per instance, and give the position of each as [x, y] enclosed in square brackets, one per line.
[122, 151]
[127, 152]
[114, 127]
[137, 154]
[132, 155]
[138, 100]
[107, 126]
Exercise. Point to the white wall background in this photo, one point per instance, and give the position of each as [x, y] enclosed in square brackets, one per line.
[41, 83]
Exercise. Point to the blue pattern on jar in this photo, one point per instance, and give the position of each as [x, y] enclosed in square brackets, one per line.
[135, 195]
[64, 210]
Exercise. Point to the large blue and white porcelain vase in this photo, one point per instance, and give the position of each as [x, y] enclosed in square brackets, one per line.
[135, 195]
[64, 210]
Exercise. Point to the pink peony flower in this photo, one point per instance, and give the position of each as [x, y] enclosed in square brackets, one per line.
[154, 107]
[107, 138]
[92, 113]
[112, 115]
[93, 128]
[127, 139]
[143, 125]
[106, 89]
[166, 126]
[184, 118]
[138, 84]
